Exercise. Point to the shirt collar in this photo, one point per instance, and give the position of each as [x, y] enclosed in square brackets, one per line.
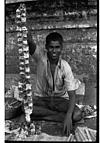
[59, 62]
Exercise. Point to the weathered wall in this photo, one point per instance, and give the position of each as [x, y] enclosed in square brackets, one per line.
[73, 38]
[79, 34]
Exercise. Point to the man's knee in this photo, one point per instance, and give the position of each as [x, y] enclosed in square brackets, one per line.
[77, 114]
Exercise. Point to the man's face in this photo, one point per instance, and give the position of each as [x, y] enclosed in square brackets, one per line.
[54, 50]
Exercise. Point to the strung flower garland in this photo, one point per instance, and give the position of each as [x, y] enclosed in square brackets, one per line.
[24, 85]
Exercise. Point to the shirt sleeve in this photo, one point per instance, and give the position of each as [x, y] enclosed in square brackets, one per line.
[70, 82]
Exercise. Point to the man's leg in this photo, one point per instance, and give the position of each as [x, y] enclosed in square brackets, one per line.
[40, 107]
[61, 106]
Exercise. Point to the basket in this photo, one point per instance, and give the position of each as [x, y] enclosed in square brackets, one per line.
[16, 109]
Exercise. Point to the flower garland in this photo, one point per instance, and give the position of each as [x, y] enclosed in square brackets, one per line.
[24, 85]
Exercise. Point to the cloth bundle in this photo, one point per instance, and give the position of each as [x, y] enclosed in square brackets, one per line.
[88, 111]
[24, 85]
[85, 134]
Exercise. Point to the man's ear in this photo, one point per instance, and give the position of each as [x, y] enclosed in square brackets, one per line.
[62, 45]
[46, 46]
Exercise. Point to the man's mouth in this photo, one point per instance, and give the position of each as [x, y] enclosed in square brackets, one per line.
[54, 55]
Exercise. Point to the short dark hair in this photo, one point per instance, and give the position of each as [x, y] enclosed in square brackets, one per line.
[54, 36]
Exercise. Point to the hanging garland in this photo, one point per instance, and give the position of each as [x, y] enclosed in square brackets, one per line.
[24, 85]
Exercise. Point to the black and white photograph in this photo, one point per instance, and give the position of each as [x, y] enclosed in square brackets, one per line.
[50, 88]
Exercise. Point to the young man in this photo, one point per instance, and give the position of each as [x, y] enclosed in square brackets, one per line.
[55, 82]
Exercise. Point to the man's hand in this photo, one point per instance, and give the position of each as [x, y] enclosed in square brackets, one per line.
[68, 117]
[67, 124]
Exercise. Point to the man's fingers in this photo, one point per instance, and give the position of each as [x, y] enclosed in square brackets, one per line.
[64, 128]
[67, 129]
[71, 127]
[68, 132]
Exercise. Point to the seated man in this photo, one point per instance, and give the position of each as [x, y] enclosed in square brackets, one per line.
[56, 85]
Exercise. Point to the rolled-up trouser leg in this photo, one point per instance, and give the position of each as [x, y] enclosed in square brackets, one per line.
[42, 111]
[60, 116]
[61, 105]
[40, 107]
[57, 113]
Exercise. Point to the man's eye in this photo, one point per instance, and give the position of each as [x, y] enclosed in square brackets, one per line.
[57, 47]
[50, 48]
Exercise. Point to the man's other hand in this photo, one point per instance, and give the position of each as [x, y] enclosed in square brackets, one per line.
[67, 124]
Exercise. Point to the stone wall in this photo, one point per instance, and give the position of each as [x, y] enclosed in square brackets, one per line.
[80, 41]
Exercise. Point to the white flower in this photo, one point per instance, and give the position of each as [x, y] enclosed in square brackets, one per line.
[26, 49]
[25, 35]
[19, 34]
[18, 28]
[28, 119]
[24, 32]
[17, 11]
[24, 28]
[22, 73]
[21, 63]
[23, 14]
[21, 57]
[30, 105]
[18, 21]
[20, 44]
[26, 55]
[21, 91]
[20, 83]
[18, 15]
[28, 111]
[20, 39]
[23, 19]
[20, 51]
[21, 68]
[27, 69]
[16, 93]
[26, 61]
[27, 76]
[29, 94]
[20, 86]
[25, 42]
[28, 86]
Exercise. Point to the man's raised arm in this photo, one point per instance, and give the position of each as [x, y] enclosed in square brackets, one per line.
[32, 45]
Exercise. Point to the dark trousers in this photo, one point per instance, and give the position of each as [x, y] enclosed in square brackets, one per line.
[42, 109]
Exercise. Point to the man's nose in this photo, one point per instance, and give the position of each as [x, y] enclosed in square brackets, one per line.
[54, 49]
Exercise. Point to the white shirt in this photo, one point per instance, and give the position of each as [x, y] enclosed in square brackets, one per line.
[63, 77]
